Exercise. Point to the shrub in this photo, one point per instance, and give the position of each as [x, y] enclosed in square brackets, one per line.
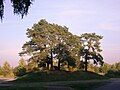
[19, 71]
[113, 74]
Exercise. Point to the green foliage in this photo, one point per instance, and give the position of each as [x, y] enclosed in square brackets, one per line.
[19, 71]
[32, 66]
[64, 55]
[1, 8]
[114, 71]
[48, 40]
[7, 70]
[22, 63]
[20, 7]
[96, 69]
[1, 71]
[115, 67]
[91, 48]
[105, 68]
[91, 67]
[113, 74]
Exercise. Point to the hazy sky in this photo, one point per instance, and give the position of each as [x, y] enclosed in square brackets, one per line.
[99, 16]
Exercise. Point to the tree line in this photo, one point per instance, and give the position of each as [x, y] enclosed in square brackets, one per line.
[24, 67]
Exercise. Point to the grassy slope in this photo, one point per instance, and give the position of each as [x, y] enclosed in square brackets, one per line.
[37, 81]
[58, 76]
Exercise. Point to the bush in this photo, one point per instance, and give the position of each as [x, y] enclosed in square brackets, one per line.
[19, 71]
[113, 74]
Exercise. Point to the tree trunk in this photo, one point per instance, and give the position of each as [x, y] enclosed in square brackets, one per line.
[86, 57]
[59, 59]
[47, 66]
[51, 60]
[68, 66]
[59, 64]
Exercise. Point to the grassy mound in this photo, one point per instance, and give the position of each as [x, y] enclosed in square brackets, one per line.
[58, 76]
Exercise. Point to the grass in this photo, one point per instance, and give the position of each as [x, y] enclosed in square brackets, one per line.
[58, 76]
[78, 80]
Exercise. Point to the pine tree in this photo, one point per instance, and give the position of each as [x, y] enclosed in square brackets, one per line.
[21, 69]
[22, 63]
[91, 48]
[44, 37]
[7, 70]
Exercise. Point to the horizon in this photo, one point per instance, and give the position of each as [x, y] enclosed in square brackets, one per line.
[100, 17]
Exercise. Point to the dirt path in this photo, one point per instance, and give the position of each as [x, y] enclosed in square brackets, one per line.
[113, 85]
[2, 80]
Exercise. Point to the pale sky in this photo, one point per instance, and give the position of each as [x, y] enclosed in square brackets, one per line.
[99, 16]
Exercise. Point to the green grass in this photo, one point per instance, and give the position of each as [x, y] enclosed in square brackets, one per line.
[78, 80]
[58, 76]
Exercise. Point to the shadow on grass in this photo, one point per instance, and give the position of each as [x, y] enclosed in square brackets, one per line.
[49, 76]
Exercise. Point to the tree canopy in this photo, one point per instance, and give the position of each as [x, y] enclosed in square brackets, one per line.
[91, 48]
[7, 70]
[49, 42]
[20, 7]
